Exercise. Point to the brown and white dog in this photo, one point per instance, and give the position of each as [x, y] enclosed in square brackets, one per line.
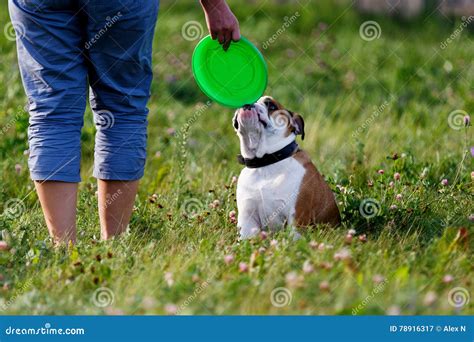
[280, 185]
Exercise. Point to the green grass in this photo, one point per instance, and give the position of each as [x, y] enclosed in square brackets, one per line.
[402, 84]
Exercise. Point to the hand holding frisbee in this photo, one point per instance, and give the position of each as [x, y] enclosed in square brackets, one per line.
[232, 78]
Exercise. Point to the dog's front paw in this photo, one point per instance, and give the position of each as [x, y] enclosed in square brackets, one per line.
[248, 233]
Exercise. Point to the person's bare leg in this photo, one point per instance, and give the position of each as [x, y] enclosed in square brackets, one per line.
[116, 199]
[59, 203]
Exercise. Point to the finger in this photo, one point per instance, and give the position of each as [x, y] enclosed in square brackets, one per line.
[213, 35]
[228, 40]
[220, 37]
[236, 34]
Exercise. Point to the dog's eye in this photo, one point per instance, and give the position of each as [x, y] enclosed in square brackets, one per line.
[236, 124]
[271, 106]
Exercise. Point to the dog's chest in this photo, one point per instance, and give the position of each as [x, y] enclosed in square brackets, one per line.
[270, 193]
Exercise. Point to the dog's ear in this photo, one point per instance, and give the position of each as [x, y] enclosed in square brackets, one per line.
[297, 123]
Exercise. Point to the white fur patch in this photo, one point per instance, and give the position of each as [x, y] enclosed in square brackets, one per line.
[266, 196]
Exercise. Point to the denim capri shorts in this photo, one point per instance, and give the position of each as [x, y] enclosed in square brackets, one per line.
[67, 47]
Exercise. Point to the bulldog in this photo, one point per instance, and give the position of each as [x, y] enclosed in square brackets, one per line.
[279, 186]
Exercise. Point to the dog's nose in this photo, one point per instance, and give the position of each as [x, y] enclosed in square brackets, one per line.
[248, 106]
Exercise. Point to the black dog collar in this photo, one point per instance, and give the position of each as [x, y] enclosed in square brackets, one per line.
[268, 159]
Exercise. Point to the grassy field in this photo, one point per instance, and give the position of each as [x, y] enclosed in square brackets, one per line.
[369, 105]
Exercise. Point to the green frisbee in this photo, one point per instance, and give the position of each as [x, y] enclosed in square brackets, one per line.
[232, 78]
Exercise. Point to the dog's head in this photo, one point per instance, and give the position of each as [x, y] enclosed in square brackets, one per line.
[266, 127]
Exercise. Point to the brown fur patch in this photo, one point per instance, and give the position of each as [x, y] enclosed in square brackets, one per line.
[315, 203]
[294, 122]
[269, 99]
